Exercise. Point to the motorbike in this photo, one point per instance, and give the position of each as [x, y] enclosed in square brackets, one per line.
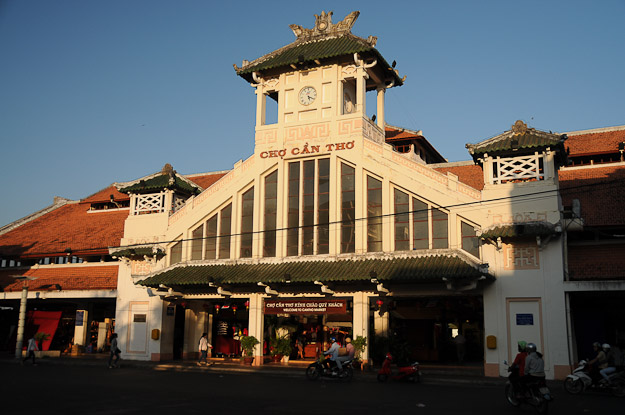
[318, 369]
[535, 393]
[581, 379]
[410, 373]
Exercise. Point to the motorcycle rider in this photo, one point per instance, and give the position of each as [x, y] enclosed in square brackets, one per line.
[333, 352]
[534, 366]
[350, 352]
[519, 362]
[610, 365]
[600, 361]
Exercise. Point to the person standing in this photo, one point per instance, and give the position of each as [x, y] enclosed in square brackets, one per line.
[114, 351]
[203, 347]
[460, 342]
[31, 348]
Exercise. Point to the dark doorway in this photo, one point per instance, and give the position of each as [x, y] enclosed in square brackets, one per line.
[179, 332]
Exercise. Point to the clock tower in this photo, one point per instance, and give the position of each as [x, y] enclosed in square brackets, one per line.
[313, 90]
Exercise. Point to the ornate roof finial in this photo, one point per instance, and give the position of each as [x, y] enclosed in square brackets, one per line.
[519, 127]
[325, 27]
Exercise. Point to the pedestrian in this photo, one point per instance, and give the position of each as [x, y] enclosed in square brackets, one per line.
[460, 342]
[203, 347]
[31, 348]
[114, 351]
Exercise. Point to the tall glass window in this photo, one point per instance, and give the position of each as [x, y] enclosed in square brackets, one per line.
[196, 242]
[247, 223]
[323, 207]
[225, 232]
[211, 238]
[271, 205]
[348, 208]
[439, 229]
[402, 226]
[308, 208]
[420, 227]
[469, 239]
[292, 233]
[175, 253]
[374, 215]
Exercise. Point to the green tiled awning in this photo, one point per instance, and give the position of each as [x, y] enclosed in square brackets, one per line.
[138, 251]
[398, 269]
[520, 229]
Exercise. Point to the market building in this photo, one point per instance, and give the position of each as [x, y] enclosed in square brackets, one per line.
[339, 224]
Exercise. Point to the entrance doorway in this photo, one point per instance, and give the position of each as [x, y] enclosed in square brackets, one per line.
[179, 332]
[425, 329]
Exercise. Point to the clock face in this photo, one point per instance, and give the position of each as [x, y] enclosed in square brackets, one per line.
[307, 95]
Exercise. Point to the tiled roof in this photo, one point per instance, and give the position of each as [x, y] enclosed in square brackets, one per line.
[68, 227]
[596, 262]
[595, 143]
[397, 133]
[104, 195]
[206, 180]
[306, 51]
[600, 191]
[471, 175]
[398, 269]
[513, 230]
[519, 138]
[67, 278]
[160, 182]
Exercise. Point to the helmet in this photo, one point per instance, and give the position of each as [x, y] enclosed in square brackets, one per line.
[605, 346]
[596, 344]
[332, 339]
[522, 345]
[348, 340]
[389, 357]
[531, 347]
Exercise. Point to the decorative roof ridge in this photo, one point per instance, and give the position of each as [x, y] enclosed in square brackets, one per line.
[209, 173]
[534, 222]
[462, 163]
[518, 128]
[167, 169]
[614, 165]
[596, 130]
[58, 202]
[402, 129]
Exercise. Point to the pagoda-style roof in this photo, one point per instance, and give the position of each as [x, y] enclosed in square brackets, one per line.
[167, 178]
[314, 46]
[523, 229]
[518, 140]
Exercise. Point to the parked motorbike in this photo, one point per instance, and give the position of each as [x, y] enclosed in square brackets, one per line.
[408, 373]
[535, 393]
[581, 379]
[318, 369]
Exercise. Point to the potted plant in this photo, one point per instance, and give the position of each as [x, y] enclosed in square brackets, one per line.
[41, 337]
[248, 343]
[274, 349]
[284, 347]
[359, 344]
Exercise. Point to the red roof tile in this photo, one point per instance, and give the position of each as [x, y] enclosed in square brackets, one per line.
[395, 133]
[601, 142]
[104, 195]
[471, 175]
[68, 278]
[206, 180]
[599, 190]
[68, 227]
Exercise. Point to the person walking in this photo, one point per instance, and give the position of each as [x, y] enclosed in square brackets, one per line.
[114, 351]
[203, 347]
[31, 348]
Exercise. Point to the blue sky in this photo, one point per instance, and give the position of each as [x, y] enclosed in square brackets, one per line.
[96, 92]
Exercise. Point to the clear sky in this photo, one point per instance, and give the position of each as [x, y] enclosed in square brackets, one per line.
[96, 92]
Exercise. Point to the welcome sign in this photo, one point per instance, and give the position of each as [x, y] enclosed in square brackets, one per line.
[305, 306]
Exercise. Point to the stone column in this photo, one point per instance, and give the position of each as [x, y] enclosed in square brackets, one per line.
[361, 320]
[380, 107]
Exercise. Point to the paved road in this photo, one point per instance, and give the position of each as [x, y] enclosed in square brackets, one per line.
[46, 389]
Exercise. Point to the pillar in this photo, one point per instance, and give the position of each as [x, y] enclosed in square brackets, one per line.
[361, 320]
[257, 325]
[380, 107]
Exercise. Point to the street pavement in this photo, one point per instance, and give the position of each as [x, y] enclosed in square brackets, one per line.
[87, 386]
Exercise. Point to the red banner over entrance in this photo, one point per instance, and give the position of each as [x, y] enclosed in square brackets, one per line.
[305, 306]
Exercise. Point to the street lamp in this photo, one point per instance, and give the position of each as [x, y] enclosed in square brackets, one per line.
[22, 318]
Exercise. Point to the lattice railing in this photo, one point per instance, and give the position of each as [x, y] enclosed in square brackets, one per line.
[178, 203]
[518, 169]
[150, 203]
